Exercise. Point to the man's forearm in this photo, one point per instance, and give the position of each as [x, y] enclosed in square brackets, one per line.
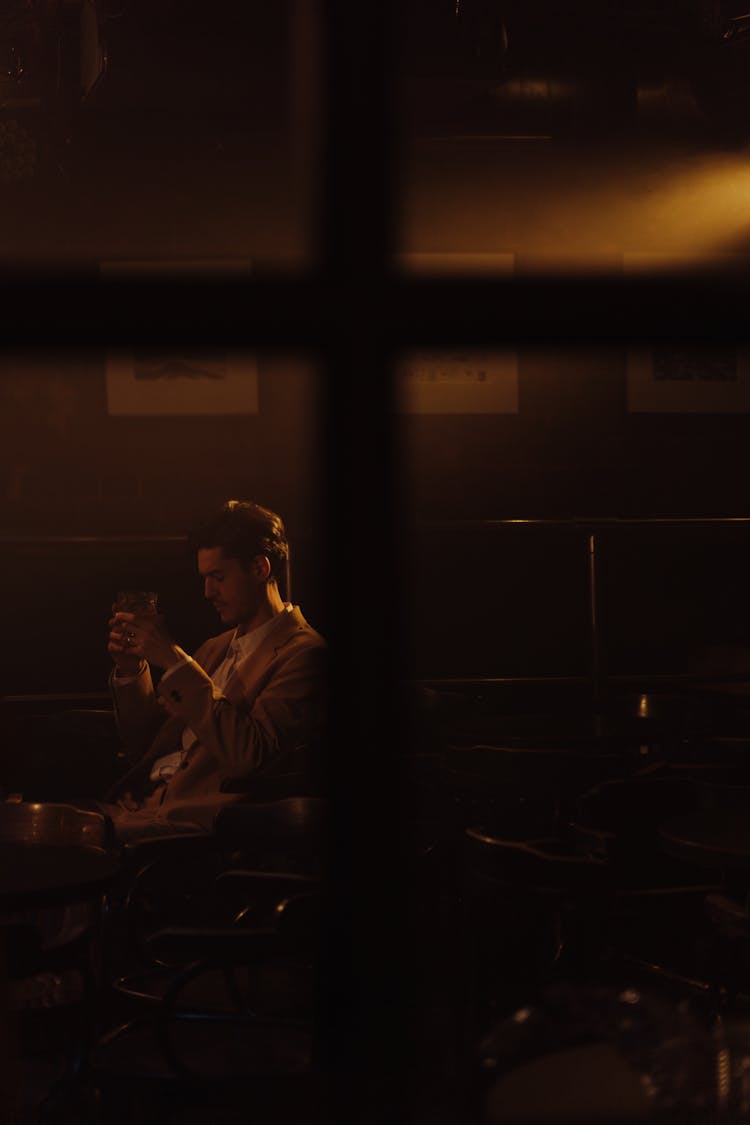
[137, 711]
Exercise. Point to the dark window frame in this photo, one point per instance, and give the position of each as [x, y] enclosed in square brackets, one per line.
[355, 312]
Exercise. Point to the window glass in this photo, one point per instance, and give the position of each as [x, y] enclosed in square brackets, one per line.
[176, 132]
[572, 137]
[110, 458]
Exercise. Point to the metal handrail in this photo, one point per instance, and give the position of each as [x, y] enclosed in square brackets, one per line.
[6, 537]
[585, 521]
[616, 677]
[590, 525]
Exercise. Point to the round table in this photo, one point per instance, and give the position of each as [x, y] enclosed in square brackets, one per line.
[50, 875]
[589, 1085]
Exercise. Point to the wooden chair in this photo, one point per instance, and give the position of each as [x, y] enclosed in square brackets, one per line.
[227, 1011]
[196, 881]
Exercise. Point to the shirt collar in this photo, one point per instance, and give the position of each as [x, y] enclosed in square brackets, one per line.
[248, 642]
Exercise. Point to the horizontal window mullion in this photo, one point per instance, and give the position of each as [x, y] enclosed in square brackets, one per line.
[310, 312]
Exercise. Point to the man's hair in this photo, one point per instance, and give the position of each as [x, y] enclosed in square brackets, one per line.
[244, 530]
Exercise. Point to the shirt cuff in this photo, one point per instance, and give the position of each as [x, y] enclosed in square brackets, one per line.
[122, 680]
[173, 668]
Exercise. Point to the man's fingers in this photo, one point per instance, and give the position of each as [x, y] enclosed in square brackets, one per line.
[120, 643]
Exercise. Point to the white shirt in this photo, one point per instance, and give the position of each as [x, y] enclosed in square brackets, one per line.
[240, 647]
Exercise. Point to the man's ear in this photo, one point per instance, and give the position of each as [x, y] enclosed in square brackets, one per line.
[261, 567]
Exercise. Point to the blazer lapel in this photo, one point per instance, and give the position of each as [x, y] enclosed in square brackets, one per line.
[214, 651]
[251, 667]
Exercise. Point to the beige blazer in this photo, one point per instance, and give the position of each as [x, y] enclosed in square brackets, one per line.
[273, 702]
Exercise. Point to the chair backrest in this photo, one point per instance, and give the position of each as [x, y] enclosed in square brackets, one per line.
[534, 768]
[56, 824]
[635, 805]
[533, 864]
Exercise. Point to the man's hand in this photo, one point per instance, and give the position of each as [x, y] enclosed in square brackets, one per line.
[120, 648]
[136, 637]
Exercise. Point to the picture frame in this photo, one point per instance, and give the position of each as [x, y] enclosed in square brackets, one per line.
[688, 378]
[187, 382]
[467, 381]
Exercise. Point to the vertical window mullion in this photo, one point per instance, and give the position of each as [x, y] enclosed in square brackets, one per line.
[366, 998]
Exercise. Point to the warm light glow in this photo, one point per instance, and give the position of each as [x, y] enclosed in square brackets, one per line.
[701, 212]
[653, 208]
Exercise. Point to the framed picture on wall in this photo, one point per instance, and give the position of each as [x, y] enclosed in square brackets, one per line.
[458, 382]
[181, 382]
[688, 378]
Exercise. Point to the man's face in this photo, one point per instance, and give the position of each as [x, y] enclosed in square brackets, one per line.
[234, 591]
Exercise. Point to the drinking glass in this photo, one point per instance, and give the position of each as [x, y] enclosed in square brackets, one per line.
[136, 601]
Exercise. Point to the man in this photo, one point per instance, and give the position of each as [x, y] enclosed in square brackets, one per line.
[241, 707]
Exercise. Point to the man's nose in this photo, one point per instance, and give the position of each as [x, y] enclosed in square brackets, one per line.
[208, 589]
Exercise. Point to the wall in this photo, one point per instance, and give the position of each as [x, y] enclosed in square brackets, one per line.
[68, 469]
[510, 602]
[573, 449]
[515, 601]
